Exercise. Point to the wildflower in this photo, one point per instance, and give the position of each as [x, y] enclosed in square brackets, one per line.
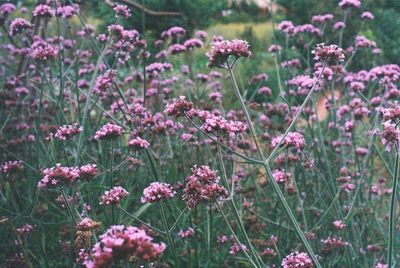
[362, 41]
[366, 15]
[24, 229]
[57, 175]
[350, 3]
[176, 31]
[157, 191]
[339, 225]
[7, 8]
[274, 48]
[156, 68]
[294, 139]
[41, 50]
[67, 11]
[390, 135]
[268, 252]
[138, 143]
[222, 50]
[339, 25]
[281, 176]
[329, 54]
[87, 224]
[11, 167]
[219, 125]
[265, 91]
[333, 243]
[321, 18]
[19, 25]
[193, 43]
[66, 132]
[297, 260]
[236, 248]
[105, 82]
[122, 11]
[176, 49]
[108, 131]
[203, 185]
[186, 233]
[287, 27]
[113, 196]
[121, 242]
[87, 172]
[392, 115]
[43, 11]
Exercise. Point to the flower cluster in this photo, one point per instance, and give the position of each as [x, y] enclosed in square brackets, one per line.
[281, 176]
[328, 54]
[186, 233]
[123, 243]
[178, 107]
[11, 167]
[113, 196]
[57, 175]
[297, 260]
[390, 135]
[157, 191]
[203, 185]
[42, 51]
[109, 131]
[222, 50]
[292, 139]
[43, 11]
[138, 143]
[122, 11]
[66, 132]
[19, 25]
[218, 124]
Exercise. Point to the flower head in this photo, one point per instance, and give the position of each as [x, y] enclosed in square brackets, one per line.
[222, 50]
[329, 54]
[113, 196]
[157, 191]
[297, 260]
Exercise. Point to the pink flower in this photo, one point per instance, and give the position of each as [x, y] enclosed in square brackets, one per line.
[105, 82]
[157, 191]
[350, 3]
[339, 225]
[281, 176]
[339, 25]
[138, 143]
[66, 132]
[108, 131]
[11, 167]
[19, 25]
[222, 50]
[113, 196]
[68, 11]
[24, 229]
[366, 15]
[390, 135]
[176, 49]
[329, 54]
[236, 248]
[186, 233]
[294, 139]
[123, 243]
[287, 27]
[321, 18]
[122, 11]
[274, 48]
[7, 8]
[203, 185]
[193, 43]
[297, 260]
[41, 50]
[43, 11]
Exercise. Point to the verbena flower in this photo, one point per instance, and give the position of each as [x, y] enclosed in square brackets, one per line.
[109, 131]
[120, 243]
[138, 143]
[222, 50]
[66, 132]
[297, 260]
[328, 54]
[19, 25]
[113, 196]
[157, 191]
[203, 185]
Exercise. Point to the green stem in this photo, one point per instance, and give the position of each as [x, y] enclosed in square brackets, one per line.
[169, 236]
[392, 219]
[267, 168]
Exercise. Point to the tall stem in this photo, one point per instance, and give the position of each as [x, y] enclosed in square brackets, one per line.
[267, 168]
[169, 236]
[393, 201]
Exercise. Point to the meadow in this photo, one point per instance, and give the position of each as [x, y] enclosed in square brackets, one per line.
[196, 149]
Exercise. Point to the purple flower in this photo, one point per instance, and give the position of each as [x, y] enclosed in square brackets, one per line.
[43, 11]
[157, 191]
[367, 15]
[222, 50]
[297, 260]
[329, 54]
[108, 131]
[113, 196]
[19, 25]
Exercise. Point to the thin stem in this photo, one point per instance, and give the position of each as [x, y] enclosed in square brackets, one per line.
[169, 236]
[266, 164]
[392, 219]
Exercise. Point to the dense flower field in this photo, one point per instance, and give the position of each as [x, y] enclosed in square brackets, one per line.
[112, 156]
